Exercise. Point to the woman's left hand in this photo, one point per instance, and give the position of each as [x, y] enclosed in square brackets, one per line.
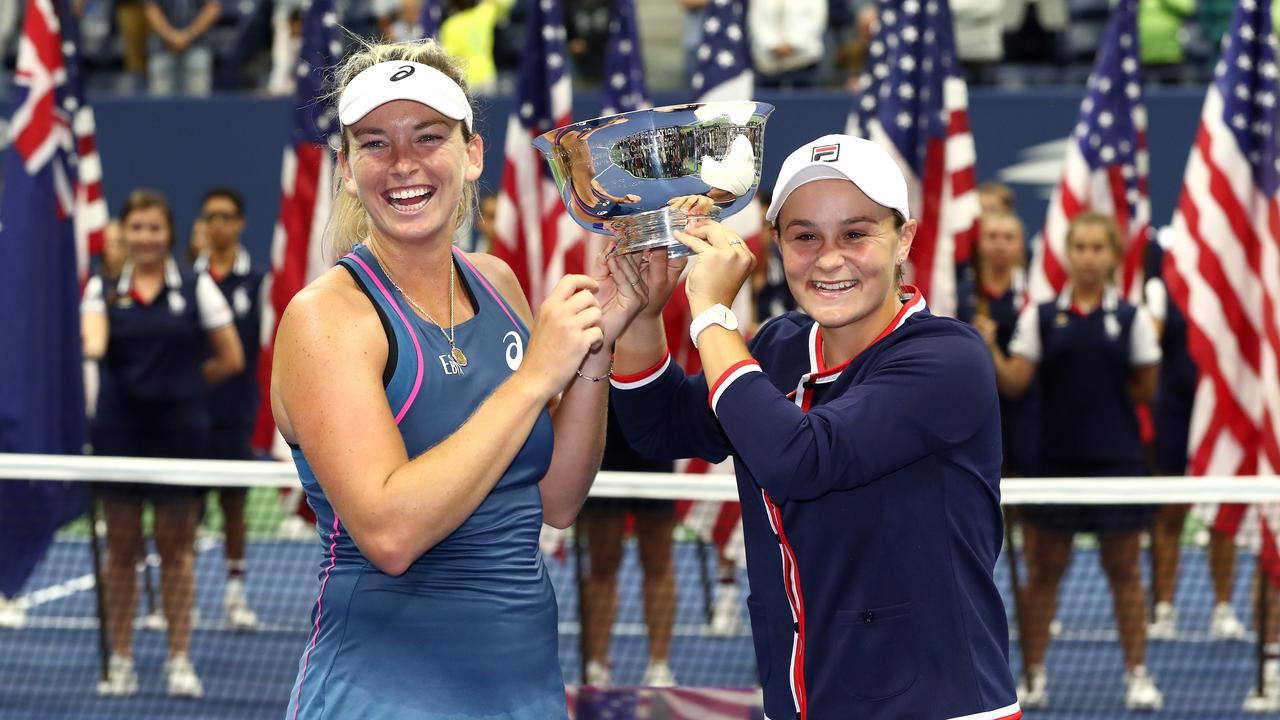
[622, 294]
[724, 264]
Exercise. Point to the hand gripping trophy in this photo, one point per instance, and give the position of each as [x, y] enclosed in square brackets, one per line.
[637, 175]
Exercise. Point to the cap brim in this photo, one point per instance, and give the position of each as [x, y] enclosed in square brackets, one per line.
[803, 176]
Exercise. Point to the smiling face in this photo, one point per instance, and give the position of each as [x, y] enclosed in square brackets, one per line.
[840, 250]
[408, 164]
[147, 235]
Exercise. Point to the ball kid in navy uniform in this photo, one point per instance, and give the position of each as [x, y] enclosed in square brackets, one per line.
[1095, 356]
[233, 403]
[990, 298]
[865, 434]
[151, 327]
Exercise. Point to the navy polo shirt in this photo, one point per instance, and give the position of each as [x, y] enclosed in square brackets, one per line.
[233, 403]
[151, 371]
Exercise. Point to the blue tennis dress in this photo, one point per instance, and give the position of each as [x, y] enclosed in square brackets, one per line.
[469, 631]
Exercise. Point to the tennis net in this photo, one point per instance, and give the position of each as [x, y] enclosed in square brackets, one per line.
[51, 654]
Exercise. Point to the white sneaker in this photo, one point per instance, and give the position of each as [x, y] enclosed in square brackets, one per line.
[658, 674]
[726, 616]
[13, 613]
[122, 680]
[293, 527]
[1165, 624]
[1140, 691]
[1269, 701]
[598, 674]
[181, 678]
[236, 605]
[1035, 697]
[1224, 624]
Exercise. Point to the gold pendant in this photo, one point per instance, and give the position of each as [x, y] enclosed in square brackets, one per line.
[458, 356]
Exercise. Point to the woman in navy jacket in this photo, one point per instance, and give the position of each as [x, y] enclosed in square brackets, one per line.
[865, 434]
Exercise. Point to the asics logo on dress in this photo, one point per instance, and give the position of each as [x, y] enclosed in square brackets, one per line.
[515, 350]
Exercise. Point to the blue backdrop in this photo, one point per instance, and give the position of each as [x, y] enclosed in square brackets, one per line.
[182, 147]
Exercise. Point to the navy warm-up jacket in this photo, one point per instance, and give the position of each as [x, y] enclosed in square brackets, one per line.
[870, 509]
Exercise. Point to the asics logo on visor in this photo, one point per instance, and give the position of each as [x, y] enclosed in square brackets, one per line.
[404, 72]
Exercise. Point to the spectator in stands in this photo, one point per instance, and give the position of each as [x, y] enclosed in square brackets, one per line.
[160, 334]
[1160, 38]
[132, 25]
[848, 425]
[786, 40]
[978, 28]
[398, 20]
[180, 58]
[1095, 356]
[425, 447]
[586, 25]
[604, 522]
[233, 403]
[467, 34]
[1033, 31]
[286, 43]
[991, 299]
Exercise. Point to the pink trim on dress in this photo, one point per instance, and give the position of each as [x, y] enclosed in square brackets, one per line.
[501, 303]
[306, 659]
[417, 383]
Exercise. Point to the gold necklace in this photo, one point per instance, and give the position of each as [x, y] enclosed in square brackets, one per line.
[454, 351]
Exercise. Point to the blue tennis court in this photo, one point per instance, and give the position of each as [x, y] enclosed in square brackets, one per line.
[48, 669]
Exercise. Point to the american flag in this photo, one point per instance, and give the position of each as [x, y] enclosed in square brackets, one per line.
[1223, 268]
[914, 103]
[534, 233]
[1105, 168]
[297, 252]
[624, 85]
[42, 405]
[429, 20]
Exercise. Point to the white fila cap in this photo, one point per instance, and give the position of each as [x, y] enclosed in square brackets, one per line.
[843, 157]
[402, 80]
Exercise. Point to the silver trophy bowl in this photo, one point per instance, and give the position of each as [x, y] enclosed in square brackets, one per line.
[633, 175]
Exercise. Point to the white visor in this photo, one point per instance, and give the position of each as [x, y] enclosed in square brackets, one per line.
[842, 157]
[402, 80]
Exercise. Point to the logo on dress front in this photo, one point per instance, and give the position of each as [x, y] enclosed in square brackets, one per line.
[451, 366]
[515, 350]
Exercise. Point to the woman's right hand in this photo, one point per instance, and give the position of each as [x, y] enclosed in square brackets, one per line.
[567, 327]
[661, 275]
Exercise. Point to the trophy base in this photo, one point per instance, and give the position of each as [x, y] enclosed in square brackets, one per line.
[651, 230]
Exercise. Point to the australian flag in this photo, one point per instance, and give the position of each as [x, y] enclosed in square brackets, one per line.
[42, 392]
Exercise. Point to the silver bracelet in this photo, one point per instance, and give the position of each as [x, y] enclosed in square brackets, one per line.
[605, 376]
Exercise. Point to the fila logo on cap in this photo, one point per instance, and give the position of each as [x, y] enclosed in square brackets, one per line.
[826, 153]
[404, 72]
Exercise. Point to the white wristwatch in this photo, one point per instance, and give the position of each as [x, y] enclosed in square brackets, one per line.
[715, 315]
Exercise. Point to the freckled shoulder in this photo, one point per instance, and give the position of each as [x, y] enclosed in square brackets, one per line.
[504, 280]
